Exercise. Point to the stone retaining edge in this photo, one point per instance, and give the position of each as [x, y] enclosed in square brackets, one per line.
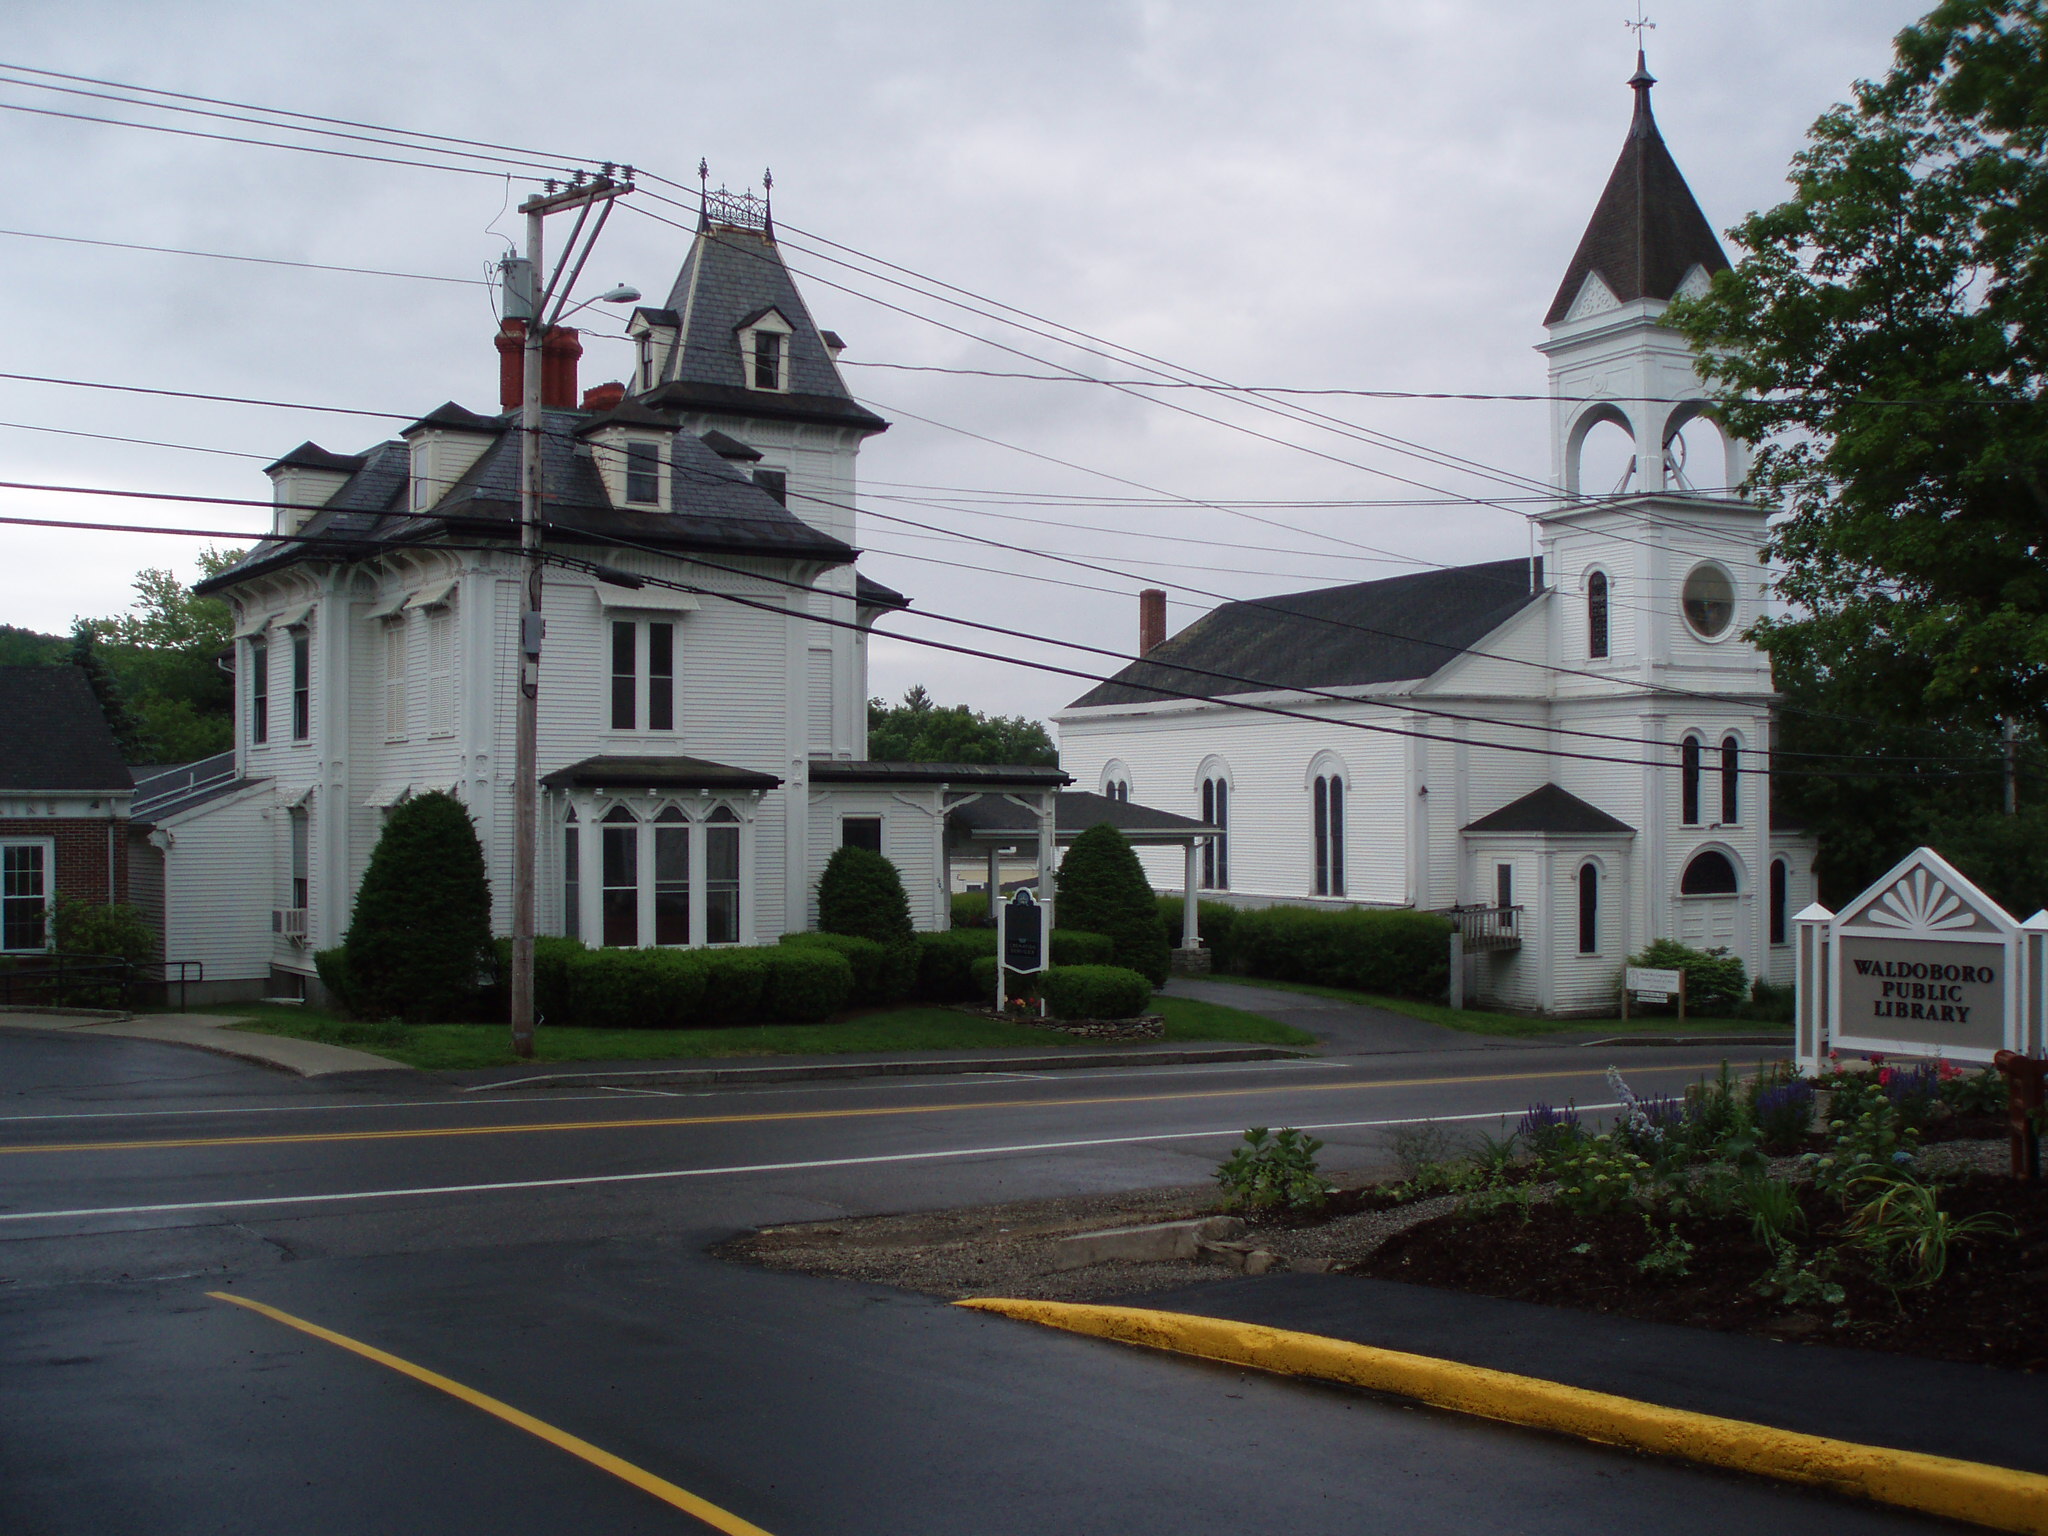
[1998, 1497]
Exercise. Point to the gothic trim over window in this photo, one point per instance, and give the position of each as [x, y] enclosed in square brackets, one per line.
[765, 352]
[668, 875]
[1214, 789]
[1327, 797]
[1710, 872]
[1116, 780]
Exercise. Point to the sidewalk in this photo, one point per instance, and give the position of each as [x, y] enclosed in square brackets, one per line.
[210, 1032]
[1936, 1406]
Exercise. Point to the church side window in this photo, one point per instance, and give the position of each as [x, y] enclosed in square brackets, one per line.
[1689, 781]
[1780, 899]
[1328, 794]
[1589, 909]
[1731, 781]
[1215, 852]
[1596, 615]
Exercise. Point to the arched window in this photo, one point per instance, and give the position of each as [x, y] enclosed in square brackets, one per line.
[621, 883]
[1731, 781]
[1780, 893]
[1596, 615]
[722, 877]
[1328, 793]
[1709, 874]
[1589, 909]
[671, 878]
[1689, 781]
[1216, 852]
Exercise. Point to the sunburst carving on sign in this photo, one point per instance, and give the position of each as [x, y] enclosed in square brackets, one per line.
[1921, 902]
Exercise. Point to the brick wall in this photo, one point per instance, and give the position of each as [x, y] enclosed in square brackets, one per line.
[82, 858]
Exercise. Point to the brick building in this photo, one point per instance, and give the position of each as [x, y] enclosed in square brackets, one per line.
[64, 802]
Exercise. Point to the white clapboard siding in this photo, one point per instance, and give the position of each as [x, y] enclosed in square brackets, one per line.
[214, 911]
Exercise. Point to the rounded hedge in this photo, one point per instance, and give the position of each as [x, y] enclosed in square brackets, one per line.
[1386, 950]
[860, 893]
[1102, 889]
[883, 974]
[420, 935]
[1094, 992]
[1016, 984]
[945, 961]
[802, 985]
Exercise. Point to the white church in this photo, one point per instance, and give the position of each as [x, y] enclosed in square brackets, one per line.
[1569, 753]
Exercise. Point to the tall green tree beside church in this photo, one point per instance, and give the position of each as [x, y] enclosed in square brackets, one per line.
[920, 731]
[1884, 343]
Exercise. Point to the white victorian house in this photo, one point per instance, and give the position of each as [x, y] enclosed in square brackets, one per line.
[702, 751]
[1576, 745]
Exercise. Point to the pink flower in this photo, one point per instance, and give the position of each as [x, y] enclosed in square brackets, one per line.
[1884, 1074]
[1877, 1058]
[1947, 1071]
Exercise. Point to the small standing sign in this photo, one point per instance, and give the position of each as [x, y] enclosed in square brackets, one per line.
[1020, 941]
[1652, 986]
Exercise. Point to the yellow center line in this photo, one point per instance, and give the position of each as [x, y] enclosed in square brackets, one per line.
[645, 1481]
[873, 1111]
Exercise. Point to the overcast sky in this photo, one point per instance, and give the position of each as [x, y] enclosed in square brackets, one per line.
[1374, 195]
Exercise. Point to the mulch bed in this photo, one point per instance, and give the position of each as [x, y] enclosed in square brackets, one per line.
[1146, 1026]
[1990, 1308]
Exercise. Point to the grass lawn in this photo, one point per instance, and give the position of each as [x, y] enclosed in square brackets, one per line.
[1472, 1021]
[455, 1046]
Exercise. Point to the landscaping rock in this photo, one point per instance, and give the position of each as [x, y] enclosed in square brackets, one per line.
[1160, 1242]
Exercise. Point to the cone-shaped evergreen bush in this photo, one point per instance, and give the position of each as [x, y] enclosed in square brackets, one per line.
[421, 932]
[860, 893]
[1102, 889]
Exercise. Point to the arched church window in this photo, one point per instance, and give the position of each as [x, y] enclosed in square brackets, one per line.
[1731, 781]
[1780, 899]
[1708, 601]
[1689, 781]
[1709, 874]
[1328, 793]
[1216, 851]
[1596, 615]
[1589, 909]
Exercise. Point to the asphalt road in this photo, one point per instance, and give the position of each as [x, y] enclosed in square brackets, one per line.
[546, 1251]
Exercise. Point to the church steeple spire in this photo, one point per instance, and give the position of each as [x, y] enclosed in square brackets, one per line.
[1647, 233]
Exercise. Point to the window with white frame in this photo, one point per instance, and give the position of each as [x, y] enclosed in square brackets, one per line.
[1596, 615]
[259, 691]
[302, 858]
[1589, 908]
[1689, 752]
[1327, 814]
[27, 869]
[1116, 781]
[302, 685]
[667, 878]
[647, 363]
[394, 677]
[1731, 782]
[1216, 851]
[422, 479]
[643, 474]
[1781, 900]
[441, 671]
[643, 673]
[764, 353]
[572, 877]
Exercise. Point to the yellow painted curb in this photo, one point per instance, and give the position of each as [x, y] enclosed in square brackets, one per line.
[1997, 1497]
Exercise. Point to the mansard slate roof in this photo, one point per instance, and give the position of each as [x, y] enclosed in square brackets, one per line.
[731, 277]
[1647, 232]
[1388, 631]
[313, 456]
[57, 741]
[717, 508]
[1552, 810]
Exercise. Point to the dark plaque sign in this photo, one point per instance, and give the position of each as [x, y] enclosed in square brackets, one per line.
[1023, 933]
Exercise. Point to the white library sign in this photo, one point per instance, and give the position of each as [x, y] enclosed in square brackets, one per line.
[1923, 964]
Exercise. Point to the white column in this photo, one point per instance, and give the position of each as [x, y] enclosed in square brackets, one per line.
[995, 879]
[1048, 844]
[1810, 987]
[1190, 929]
[2031, 1034]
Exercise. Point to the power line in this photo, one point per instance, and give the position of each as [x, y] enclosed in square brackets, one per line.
[267, 261]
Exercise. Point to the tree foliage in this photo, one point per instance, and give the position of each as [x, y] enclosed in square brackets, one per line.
[1882, 343]
[421, 933]
[1102, 888]
[860, 893]
[919, 731]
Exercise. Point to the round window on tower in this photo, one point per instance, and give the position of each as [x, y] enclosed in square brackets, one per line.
[1708, 599]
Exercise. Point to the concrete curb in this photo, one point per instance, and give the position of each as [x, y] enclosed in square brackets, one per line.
[1998, 1497]
[812, 1071]
[1783, 1037]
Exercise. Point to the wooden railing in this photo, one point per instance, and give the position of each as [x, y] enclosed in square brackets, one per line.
[1484, 928]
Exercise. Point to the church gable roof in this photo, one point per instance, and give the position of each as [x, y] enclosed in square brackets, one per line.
[1549, 809]
[1647, 232]
[1394, 630]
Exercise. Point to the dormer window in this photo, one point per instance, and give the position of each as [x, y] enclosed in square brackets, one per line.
[643, 474]
[764, 351]
[647, 364]
[422, 478]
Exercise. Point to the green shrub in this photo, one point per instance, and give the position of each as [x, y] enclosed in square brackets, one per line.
[1215, 924]
[970, 910]
[331, 966]
[883, 974]
[1273, 1171]
[1366, 950]
[1071, 946]
[735, 983]
[636, 988]
[1102, 889]
[1016, 984]
[1094, 992]
[803, 983]
[944, 964]
[421, 932]
[103, 928]
[554, 959]
[860, 893]
[1714, 981]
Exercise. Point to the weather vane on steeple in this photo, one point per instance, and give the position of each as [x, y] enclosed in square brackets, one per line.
[1640, 25]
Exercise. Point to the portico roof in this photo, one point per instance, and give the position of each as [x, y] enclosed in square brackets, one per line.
[997, 820]
[656, 773]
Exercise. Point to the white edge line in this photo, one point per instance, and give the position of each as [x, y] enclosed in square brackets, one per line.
[698, 1173]
[574, 1077]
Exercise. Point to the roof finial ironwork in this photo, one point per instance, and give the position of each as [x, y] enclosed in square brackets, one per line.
[703, 194]
[768, 202]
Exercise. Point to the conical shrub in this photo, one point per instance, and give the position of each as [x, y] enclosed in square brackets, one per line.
[1102, 889]
[421, 932]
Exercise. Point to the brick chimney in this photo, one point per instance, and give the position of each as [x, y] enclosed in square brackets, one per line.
[558, 355]
[1151, 619]
[603, 397]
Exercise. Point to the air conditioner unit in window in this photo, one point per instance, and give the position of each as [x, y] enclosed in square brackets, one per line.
[289, 921]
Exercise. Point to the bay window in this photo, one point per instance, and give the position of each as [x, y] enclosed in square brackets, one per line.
[669, 877]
